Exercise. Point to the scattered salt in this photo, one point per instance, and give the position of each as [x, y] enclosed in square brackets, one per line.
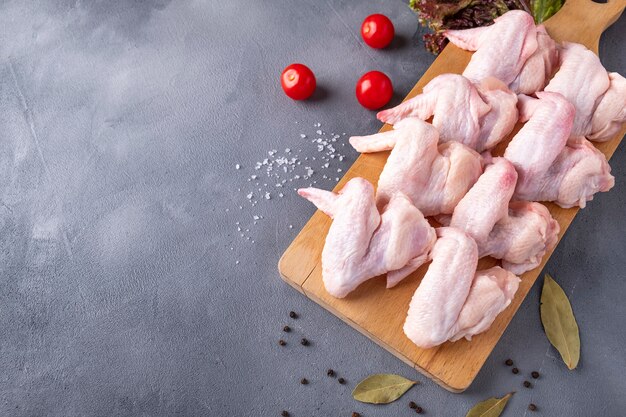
[279, 168]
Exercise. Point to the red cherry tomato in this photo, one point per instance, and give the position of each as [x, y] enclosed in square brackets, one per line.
[298, 81]
[377, 31]
[374, 90]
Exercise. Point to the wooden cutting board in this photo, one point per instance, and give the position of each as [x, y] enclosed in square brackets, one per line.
[379, 313]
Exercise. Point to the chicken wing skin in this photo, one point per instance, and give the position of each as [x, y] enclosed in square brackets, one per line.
[551, 165]
[519, 233]
[576, 175]
[539, 67]
[491, 292]
[502, 49]
[582, 80]
[610, 114]
[539, 142]
[522, 238]
[437, 302]
[478, 116]
[487, 201]
[434, 178]
[363, 243]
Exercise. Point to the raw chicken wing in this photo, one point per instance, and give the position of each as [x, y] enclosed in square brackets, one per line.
[519, 233]
[549, 168]
[437, 302]
[579, 172]
[522, 238]
[362, 244]
[538, 143]
[610, 114]
[582, 80]
[434, 178]
[486, 202]
[491, 292]
[502, 117]
[537, 69]
[477, 116]
[501, 49]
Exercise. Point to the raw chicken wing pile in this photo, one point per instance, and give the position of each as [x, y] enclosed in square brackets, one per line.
[489, 206]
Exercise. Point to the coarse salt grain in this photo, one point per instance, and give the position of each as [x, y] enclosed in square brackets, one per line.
[280, 169]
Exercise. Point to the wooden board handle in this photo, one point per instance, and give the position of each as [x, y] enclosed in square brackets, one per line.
[583, 21]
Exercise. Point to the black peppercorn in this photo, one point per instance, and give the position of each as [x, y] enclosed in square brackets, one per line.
[412, 405]
[509, 362]
[282, 342]
[286, 329]
[534, 374]
[293, 315]
[515, 370]
[304, 381]
[284, 413]
[330, 373]
[304, 342]
[341, 381]
[355, 414]
[532, 407]
[419, 410]
[527, 384]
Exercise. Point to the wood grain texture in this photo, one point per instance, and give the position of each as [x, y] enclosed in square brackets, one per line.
[379, 313]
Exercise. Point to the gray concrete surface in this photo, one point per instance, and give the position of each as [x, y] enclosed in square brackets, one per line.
[126, 288]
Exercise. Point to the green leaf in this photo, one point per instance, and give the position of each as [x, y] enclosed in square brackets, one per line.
[542, 10]
[559, 322]
[492, 407]
[381, 388]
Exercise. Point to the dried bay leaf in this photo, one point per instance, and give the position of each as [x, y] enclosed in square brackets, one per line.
[492, 407]
[381, 388]
[559, 322]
